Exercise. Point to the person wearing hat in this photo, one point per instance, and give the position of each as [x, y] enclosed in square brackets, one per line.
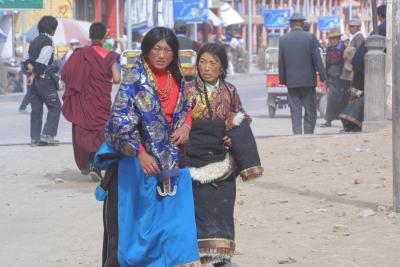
[299, 62]
[338, 95]
[73, 44]
[185, 43]
[356, 39]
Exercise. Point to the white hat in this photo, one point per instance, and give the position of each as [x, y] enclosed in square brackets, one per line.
[74, 41]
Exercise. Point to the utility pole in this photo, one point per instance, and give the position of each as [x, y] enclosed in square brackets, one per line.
[350, 10]
[388, 67]
[250, 34]
[374, 17]
[25, 56]
[396, 106]
[129, 25]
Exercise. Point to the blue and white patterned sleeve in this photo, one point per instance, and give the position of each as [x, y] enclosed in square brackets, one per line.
[122, 131]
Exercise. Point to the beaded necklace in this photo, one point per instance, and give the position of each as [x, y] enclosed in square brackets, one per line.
[165, 93]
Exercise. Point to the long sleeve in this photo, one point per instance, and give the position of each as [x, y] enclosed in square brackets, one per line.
[281, 66]
[122, 131]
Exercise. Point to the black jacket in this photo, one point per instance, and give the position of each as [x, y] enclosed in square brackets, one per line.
[41, 53]
[300, 59]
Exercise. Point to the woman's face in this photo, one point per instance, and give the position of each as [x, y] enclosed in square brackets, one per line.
[210, 67]
[161, 55]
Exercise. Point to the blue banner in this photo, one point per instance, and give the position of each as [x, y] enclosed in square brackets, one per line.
[276, 18]
[194, 11]
[326, 23]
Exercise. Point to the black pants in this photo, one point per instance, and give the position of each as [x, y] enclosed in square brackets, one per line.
[298, 98]
[26, 100]
[44, 90]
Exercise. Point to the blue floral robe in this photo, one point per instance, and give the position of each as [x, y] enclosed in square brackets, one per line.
[152, 230]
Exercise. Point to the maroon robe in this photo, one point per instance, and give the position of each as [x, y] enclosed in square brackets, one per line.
[87, 99]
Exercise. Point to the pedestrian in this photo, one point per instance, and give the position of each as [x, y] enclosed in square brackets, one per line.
[381, 12]
[356, 39]
[299, 61]
[88, 76]
[73, 44]
[185, 43]
[43, 84]
[149, 211]
[221, 146]
[338, 94]
[353, 115]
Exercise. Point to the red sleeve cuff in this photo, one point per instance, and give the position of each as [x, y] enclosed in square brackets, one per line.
[141, 149]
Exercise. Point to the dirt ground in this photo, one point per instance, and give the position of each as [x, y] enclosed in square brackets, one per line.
[306, 210]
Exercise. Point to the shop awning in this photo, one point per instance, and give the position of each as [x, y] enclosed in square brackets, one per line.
[229, 15]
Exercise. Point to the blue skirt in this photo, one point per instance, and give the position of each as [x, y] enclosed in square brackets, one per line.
[143, 229]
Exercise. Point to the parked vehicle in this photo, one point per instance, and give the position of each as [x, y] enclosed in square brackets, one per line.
[187, 59]
[277, 93]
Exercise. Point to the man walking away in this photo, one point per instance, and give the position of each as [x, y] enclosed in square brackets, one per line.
[43, 84]
[88, 75]
[185, 43]
[299, 60]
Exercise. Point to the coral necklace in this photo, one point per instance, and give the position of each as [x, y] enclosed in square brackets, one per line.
[165, 93]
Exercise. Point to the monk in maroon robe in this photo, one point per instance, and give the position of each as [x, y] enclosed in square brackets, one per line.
[88, 75]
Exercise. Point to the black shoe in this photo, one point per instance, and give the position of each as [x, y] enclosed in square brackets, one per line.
[326, 124]
[48, 140]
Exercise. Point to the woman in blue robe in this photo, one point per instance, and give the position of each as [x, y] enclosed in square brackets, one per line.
[149, 218]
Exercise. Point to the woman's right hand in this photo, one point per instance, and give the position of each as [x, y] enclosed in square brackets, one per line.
[148, 163]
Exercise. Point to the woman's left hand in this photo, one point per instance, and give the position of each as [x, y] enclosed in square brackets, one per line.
[227, 141]
[180, 135]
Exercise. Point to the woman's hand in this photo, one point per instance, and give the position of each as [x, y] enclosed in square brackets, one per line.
[181, 135]
[227, 141]
[148, 163]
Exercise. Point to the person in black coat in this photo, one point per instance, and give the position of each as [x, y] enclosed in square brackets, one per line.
[299, 62]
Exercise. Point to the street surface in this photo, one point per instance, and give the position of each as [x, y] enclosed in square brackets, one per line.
[324, 200]
[251, 87]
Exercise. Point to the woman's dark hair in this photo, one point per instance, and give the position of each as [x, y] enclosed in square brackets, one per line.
[161, 33]
[217, 49]
[97, 31]
[47, 24]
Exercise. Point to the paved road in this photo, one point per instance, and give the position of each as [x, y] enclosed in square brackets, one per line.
[15, 126]
[253, 94]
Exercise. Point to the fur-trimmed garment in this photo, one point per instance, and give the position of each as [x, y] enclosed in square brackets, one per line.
[213, 168]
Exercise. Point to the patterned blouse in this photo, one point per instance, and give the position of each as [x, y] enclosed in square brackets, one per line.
[224, 101]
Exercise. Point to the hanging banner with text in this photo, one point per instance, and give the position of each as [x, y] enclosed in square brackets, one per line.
[192, 11]
[276, 18]
[326, 23]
